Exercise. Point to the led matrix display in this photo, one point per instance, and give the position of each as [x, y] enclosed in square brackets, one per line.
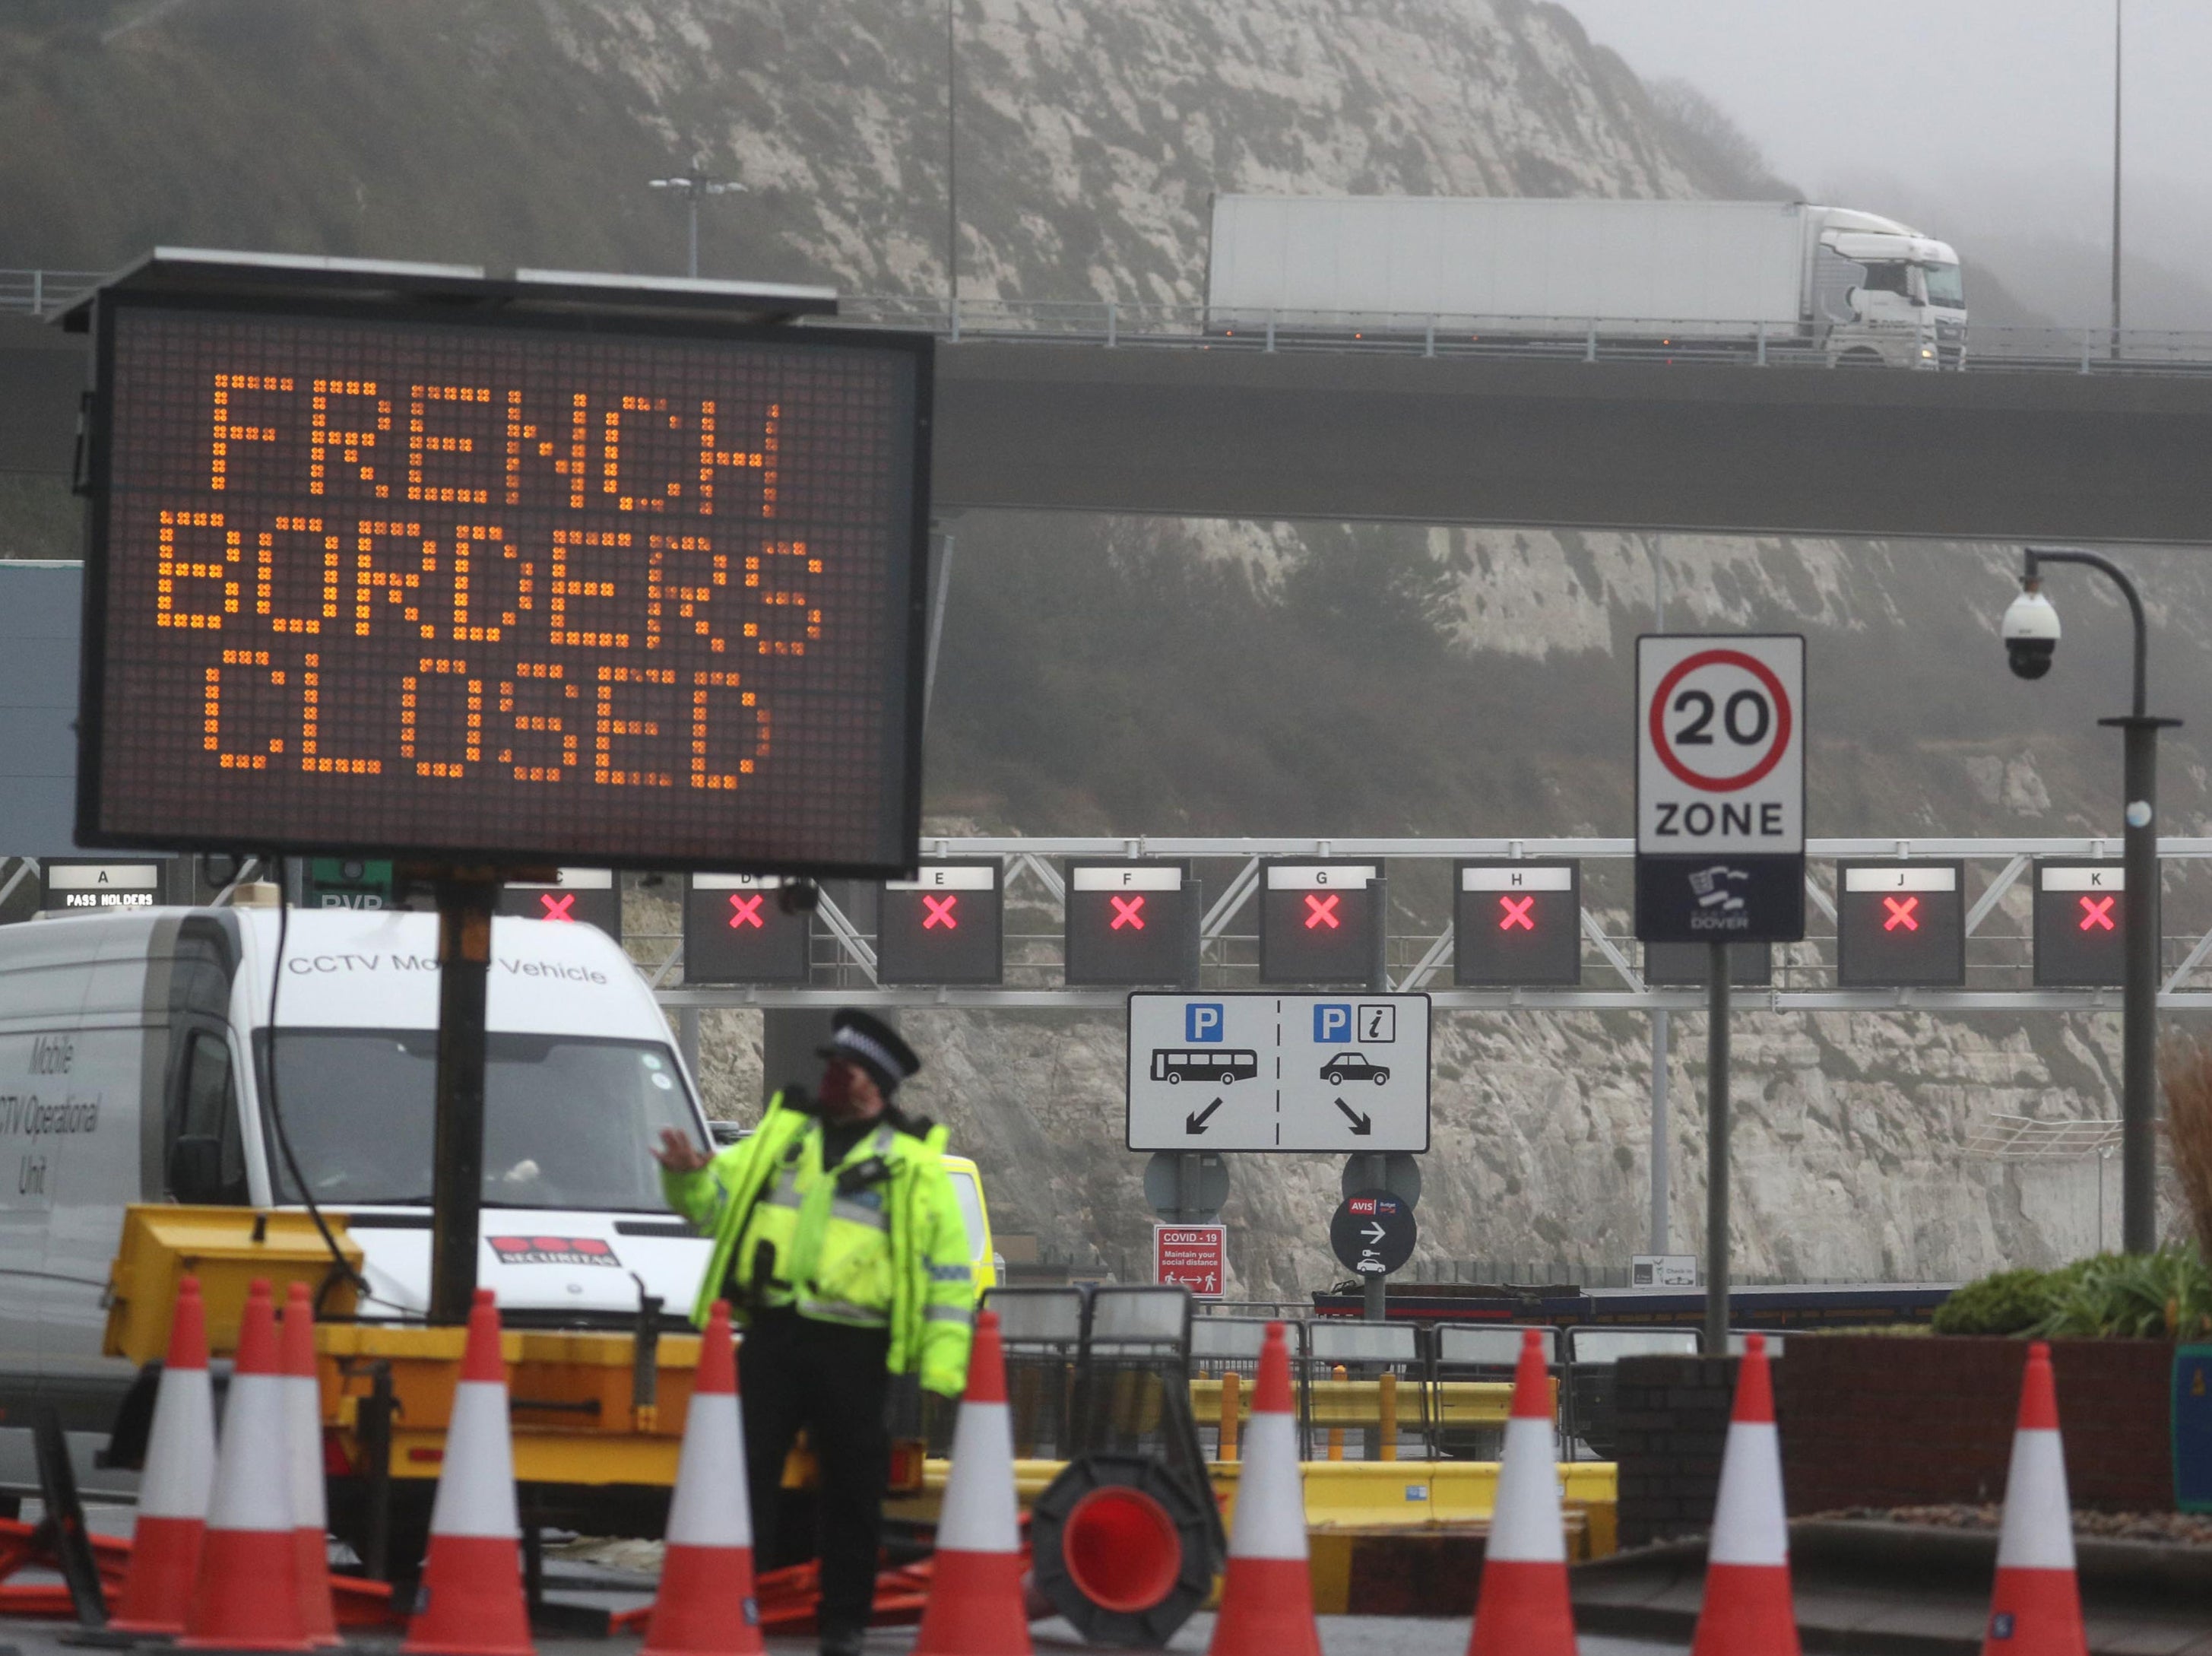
[617, 595]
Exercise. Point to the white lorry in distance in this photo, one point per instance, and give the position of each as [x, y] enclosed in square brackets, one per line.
[1774, 279]
[139, 1063]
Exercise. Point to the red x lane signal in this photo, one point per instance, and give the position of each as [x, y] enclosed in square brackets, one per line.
[1903, 912]
[1321, 911]
[1516, 913]
[557, 907]
[940, 913]
[1128, 912]
[746, 912]
[2097, 913]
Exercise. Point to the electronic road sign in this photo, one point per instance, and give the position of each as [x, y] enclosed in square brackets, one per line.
[943, 926]
[1344, 1072]
[1373, 1233]
[738, 930]
[1720, 789]
[1900, 924]
[514, 587]
[1131, 923]
[1517, 925]
[589, 896]
[1320, 922]
[2081, 925]
[76, 883]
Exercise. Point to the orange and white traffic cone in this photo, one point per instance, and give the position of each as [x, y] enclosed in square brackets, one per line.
[246, 1596]
[172, 1494]
[1747, 1610]
[472, 1602]
[2036, 1609]
[976, 1606]
[1267, 1594]
[1521, 1608]
[708, 1568]
[311, 1521]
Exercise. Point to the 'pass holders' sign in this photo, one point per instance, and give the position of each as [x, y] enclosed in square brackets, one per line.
[509, 586]
[1720, 789]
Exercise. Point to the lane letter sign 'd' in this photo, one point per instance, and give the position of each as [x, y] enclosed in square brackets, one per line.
[737, 930]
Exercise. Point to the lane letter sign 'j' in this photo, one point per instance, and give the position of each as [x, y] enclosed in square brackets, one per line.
[1720, 789]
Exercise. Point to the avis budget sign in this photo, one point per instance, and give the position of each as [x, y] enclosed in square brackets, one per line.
[1194, 1257]
[1720, 789]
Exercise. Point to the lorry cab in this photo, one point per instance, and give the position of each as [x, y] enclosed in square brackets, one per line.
[264, 1056]
[1890, 296]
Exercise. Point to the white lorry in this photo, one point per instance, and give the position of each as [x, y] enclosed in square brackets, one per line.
[1710, 277]
[147, 1054]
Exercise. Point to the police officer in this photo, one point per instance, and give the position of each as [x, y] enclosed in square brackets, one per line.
[839, 1243]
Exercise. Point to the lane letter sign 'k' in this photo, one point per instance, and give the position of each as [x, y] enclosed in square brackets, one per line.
[1900, 913]
[745, 911]
[1321, 911]
[1128, 912]
[940, 912]
[2097, 913]
[556, 907]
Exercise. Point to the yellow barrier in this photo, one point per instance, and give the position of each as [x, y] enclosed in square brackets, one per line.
[1338, 1402]
[1365, 1495]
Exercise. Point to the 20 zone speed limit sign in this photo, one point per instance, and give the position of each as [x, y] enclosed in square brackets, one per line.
[1720, 788]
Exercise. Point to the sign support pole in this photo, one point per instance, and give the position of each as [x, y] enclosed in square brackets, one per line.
[467, 898]
[1717, 1154]
[1662, 1174]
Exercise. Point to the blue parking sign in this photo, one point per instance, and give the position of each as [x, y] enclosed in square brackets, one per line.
[1332, 1023]
[1202, 1020]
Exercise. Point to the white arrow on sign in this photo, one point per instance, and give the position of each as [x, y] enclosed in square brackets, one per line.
[1375, 1232]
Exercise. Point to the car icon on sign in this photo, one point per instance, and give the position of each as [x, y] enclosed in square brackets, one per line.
[1354, 1066]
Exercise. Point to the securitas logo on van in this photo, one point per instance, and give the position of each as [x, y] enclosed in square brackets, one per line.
[553, 1250]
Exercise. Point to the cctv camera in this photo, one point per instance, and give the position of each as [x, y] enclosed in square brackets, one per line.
[2031, 634]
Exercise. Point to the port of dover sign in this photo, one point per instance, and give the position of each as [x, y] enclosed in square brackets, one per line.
[1720, 789]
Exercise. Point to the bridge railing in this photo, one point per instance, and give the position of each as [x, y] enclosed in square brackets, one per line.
[1118, 324]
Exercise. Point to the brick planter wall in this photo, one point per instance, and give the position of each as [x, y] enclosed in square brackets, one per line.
[1875, 1421]
[1671, 1425]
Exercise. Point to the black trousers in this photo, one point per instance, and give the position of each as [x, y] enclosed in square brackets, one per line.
[831, 1380]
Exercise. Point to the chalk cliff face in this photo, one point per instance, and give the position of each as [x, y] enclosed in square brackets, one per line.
[1091, 133]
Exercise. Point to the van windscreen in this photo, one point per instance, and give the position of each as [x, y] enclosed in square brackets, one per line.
[569, 1121]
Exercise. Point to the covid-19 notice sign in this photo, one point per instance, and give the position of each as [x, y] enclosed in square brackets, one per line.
[583, 590]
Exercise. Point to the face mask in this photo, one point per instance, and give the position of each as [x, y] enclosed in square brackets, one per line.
[835, 1091]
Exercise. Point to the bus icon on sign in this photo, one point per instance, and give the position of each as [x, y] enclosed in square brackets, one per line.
[1219, 1065]
[1202, 1020]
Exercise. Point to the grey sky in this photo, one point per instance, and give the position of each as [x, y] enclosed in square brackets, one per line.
[1993, 115]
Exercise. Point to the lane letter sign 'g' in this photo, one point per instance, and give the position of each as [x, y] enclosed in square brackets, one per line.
[1720, 789]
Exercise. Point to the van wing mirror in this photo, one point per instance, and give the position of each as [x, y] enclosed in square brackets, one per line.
[196, 1169]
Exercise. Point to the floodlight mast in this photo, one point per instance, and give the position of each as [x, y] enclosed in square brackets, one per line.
[2139, 990]
[695, 185]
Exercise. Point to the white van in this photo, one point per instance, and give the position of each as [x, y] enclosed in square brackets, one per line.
[137, 1064]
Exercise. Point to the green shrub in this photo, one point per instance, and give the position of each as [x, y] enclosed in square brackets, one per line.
[2145, 1296]
[2009, 1302]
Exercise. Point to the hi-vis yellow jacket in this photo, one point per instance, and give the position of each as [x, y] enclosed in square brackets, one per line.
[887, 1250]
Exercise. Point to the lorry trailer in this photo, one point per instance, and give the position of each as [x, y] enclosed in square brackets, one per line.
[1749, 277]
